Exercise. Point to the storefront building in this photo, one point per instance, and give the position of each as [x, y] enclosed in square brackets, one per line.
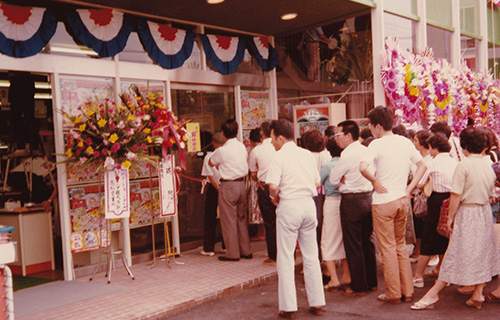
[65, 73]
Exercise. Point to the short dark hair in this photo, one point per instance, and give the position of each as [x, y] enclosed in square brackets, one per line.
[367, 141]
[349, 126]
[440, 142]
[492, 137]
[282, 127]
[411, 134]
[366, 133]
[313, 141]
[400, 130]
[330, 131]
[333, 147]
[422, 137]
[383, 116]
[441, 126]
[473, 140]
[230, 128]
[255, 135]
[266, 128]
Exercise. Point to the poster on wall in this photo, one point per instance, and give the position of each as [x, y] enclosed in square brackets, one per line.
[193, 137]
[142, 201]
[168, 196]
[117, 193]
[77, 90]
[317, 117]
[255, 107]
[88, 225]
[144, 87]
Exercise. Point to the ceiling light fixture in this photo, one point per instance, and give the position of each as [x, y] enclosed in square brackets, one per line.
[215, 1]
[289, 16]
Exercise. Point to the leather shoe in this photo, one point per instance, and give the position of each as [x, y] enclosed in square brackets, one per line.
[407, 299]
[224, 258]
[384, 298]
[246, 256]
[350, 293]
[287, 314]
[316, 310]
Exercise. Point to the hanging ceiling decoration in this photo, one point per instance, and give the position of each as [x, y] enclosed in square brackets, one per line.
[263, 52]
[169, 47]
[225, 53]
[105, 31]
[25, 31]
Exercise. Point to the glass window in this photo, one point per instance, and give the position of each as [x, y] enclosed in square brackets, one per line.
[402, 28]
[469, 17]
[210, 109]
[407, 8]
[468, 51]
[439, 13]
[440, 41]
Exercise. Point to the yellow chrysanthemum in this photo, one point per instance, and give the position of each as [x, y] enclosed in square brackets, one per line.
[102, 123]
[121, 108]
[131, 105]
[131, 117]
[113, 138]
[69, 153]
[80, 144]
[146, 106]
[414, 91]
[78, 119]
[90, 112]
[149, 139]
[82, 127]
[147, 130]
[126, 164]
[89, 151]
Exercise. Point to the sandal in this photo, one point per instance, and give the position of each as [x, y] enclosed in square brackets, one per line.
[332, 288]
[491, 298]
[418, 282]
[433, 273]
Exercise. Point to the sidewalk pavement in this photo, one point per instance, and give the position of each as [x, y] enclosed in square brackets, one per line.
[155, 293]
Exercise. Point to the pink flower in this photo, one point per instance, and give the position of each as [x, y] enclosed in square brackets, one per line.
[143, 146]
[104, 152]
[115, 147]
[112, 126]
[135, 147]
[96, 154]
[111, 110]
[101, 111]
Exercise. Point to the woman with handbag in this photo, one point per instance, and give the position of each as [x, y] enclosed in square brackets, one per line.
[440, 172]
[472, 257]
[419, 201]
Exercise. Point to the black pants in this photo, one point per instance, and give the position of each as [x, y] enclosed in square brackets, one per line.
[319, 201]
[357, 227]
[210, 219]
[268, 211]
[432, 242]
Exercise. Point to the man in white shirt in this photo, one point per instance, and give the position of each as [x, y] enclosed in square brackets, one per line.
[293, 178]
[231, 160]
[259, 160]
[211, 198]
[392, 158]
[355, 210]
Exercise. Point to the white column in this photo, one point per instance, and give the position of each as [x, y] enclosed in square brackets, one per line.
[237, 111]
[455, 54]
[378, 39]
[421, 26]
[201, 30]
[61, 181]
[482, 50]
[273, 89]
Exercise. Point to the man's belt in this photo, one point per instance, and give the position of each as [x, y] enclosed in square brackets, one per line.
[356, 195]
[239, 179]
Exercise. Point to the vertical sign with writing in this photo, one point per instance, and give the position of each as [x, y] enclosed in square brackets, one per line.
[168, 196]
[193, 136]
[117, 193]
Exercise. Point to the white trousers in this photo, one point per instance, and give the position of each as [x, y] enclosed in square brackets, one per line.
[296, 220]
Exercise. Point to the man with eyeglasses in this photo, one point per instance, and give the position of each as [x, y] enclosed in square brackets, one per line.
[355, 210]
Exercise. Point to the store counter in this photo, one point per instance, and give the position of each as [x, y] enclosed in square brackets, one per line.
[33, 234]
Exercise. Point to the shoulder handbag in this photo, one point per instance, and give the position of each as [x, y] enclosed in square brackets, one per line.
[420, 204]
[442, 227]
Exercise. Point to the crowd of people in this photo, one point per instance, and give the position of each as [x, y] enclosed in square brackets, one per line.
[346, 198]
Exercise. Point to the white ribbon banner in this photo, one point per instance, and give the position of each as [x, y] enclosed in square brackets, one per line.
[117, 193]
[168, 196]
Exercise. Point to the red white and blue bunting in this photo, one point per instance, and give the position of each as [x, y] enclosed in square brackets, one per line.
[263, 52]
[105, 31]
[225, 53]
[25, 31]
[169, 47]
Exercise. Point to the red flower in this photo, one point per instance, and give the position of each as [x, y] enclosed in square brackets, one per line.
[96, 154]
[135, 147]
[104, 152]
[88, 141]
